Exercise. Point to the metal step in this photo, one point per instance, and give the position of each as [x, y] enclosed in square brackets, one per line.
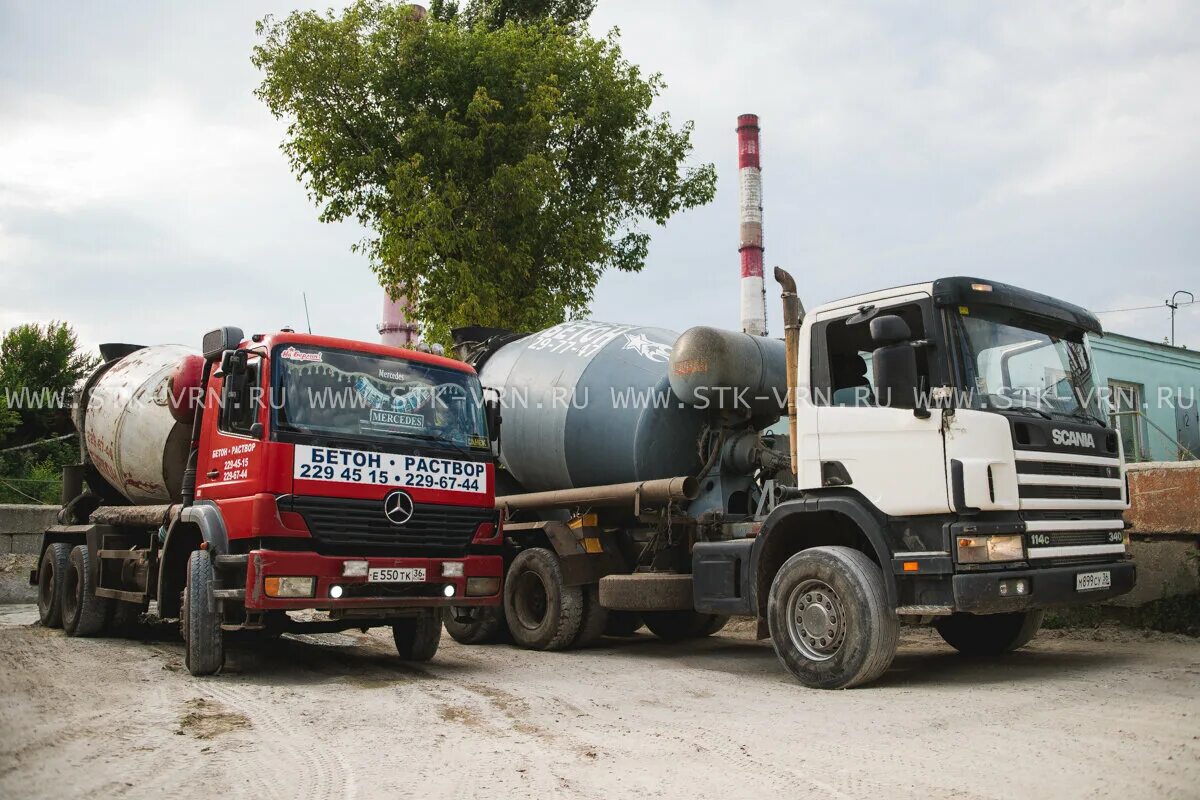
[924, 611]
[229, 594]
[125, 555]
[232, 560]
[118, 594]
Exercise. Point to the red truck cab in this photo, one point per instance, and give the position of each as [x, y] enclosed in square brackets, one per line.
[348, 477]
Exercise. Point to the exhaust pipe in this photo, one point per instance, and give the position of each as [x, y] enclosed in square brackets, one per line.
[793, 316]
[614, 494]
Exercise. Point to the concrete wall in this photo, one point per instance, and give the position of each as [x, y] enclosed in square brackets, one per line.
[1164, 498]
[21, 527]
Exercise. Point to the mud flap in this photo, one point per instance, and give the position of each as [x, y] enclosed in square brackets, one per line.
[721, 582]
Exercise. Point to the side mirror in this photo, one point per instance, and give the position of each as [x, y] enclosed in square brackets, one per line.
[894, 363]
[890, 329]
[217, 342]
[492, 412]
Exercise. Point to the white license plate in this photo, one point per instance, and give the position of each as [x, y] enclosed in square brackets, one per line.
[396, 575]
[1090, 581]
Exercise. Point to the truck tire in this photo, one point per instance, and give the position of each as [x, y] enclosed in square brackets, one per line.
[199, 620]
[595, 618]
[675, 626]
[623, 624]
[989, 634]
[417, 638]
[52, 573]
[542, 614]
[487, 626]
[830, 620]
[84, 614]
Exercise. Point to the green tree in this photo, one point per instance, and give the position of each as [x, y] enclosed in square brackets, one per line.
[494, 13]
[39, 367]
[501, 160]
[8, 419]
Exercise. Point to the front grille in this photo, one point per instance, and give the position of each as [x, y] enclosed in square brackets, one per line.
[340, 525]
[1073, 538]
[1074, 514]
[1031, 491]
[392, 590]
[1068, 469]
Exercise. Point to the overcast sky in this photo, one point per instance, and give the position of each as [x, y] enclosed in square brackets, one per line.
[143, 196]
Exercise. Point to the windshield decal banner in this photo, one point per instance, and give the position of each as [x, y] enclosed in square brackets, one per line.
[389, 469]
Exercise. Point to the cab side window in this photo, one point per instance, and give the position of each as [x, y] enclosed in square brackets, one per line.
[844, 377]
[241, 397]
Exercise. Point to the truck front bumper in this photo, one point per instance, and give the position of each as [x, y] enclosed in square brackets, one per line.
[358, 592]
[1048, 587]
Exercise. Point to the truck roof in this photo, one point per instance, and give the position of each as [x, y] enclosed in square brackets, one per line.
[270, 340]
[866, 298]
[962, 290]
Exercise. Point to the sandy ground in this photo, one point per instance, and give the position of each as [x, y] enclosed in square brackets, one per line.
[1096, 714]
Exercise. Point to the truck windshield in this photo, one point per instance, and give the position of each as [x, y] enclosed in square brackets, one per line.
[1009, 363]
[346, 394]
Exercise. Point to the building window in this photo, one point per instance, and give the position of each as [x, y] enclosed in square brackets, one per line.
[1126, 417]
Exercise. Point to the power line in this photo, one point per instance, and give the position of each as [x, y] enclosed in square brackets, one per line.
[37, 443]
[1142, 308]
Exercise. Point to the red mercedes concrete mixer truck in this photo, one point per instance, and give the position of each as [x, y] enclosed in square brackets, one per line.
[271, 474]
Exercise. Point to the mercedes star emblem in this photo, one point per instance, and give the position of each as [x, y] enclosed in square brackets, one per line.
[398, 507]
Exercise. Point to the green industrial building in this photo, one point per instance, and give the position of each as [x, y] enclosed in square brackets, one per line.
[1152, 390]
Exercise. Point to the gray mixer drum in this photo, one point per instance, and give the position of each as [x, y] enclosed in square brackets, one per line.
[588, 403]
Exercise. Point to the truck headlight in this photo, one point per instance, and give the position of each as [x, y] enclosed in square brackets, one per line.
[980, 549]
[289, 586]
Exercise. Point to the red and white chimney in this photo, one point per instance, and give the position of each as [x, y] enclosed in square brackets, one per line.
[396, 330]
[750, 247]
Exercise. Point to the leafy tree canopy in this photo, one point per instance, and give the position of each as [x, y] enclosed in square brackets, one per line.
[39, 367]
[494, 13]
[501, 156]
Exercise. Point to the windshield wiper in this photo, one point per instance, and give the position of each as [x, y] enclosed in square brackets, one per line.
[425, 437]
[1030, 409]
[1083, 413]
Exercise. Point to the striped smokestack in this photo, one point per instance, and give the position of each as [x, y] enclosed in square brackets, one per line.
[396, 330]
[754, 297]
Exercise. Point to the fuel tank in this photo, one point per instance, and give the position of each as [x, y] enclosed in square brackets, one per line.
[134, 421]
[587, 403]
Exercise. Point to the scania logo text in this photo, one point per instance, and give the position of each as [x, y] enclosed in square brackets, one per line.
[398, 507]
[1065, 438]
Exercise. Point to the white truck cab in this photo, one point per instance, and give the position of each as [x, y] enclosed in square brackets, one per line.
[951, 431]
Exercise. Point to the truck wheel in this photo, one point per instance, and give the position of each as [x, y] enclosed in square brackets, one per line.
[417, 637]
[622, 624]
[199, 620]
[52, 573]
[595, 618]
[675, 626]
[83, 613]
[830, 620]
[486, 626]
[542, 614]
[989, 634]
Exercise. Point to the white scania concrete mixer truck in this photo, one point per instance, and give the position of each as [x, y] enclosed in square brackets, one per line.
[946, 463]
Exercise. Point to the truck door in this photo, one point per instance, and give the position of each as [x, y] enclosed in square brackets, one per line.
[891, 456]
[231, 457]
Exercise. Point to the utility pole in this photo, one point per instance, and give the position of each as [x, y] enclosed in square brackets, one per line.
[1172, 304]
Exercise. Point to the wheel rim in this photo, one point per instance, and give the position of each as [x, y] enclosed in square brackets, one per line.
[530, 600]
[46, 584]
[816, 620]
[71, 593]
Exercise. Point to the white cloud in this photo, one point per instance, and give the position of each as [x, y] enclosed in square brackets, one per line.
[1048, 145]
